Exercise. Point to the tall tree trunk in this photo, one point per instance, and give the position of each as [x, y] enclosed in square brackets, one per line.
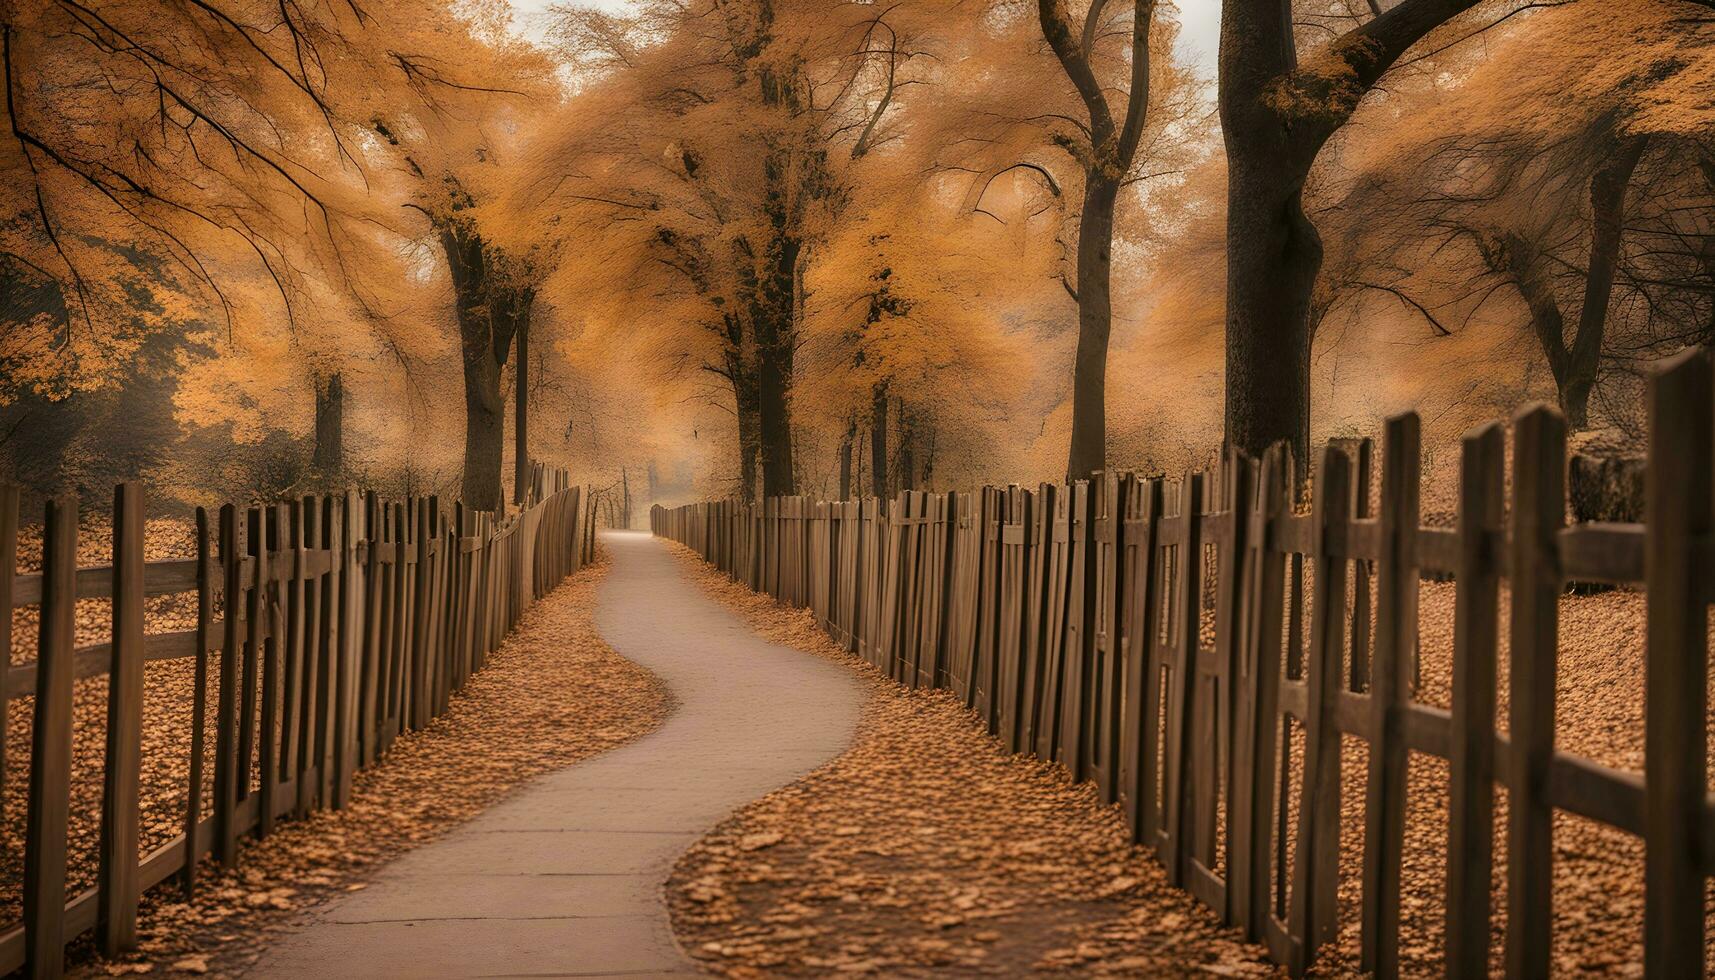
[846, 460]
[1273, 255]
[486, 325]
[749, 432]
[1088, 451]
[878, 442]
[907, 450]
[1273, 251]
[773, 391]
[329, 458]
[1607, 213]
[484, 430]
[521, 415]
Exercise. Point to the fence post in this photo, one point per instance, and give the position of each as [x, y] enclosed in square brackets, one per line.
[50, 746]
[1476, 632]
[226, 703]
[1252, 877]
[199, 700]
[1234, 691]
[1182, 684]
[256, 607]
[119, 815]
[1316, 875]
[1396, 643]
[1539, 464]
[342, 576]
[268, 761]
[1678, 486]
[8, 571]
[1141, 622]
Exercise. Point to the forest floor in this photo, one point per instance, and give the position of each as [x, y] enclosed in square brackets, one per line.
[552, 695]
[927, 848]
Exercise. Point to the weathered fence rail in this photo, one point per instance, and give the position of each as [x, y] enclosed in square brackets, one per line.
[1170, 638]
[342, 622]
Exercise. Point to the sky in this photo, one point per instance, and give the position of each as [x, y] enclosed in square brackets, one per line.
[1197, 42]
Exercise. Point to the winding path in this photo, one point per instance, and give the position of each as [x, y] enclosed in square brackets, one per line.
[565, 878]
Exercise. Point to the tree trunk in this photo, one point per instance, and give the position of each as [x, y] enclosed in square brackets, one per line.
[486, 325]
[521, 415]
[484, 431]
[1088, 452]
[907, 451]
[878, 442]
[329, 459]
[749, 433]
[1273, 251]
[1273, 254]
[846, 461]
[1607, 213]
[773, 384]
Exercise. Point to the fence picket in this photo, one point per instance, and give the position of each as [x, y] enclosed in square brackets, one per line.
[1476, 632]
[119, 813]
[1681, 408]
[8, 572]
[199, 701]
[1539, 467]
[50, 746]
[1395, 645]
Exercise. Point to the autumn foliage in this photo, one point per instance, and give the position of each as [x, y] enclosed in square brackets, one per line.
[769, 246]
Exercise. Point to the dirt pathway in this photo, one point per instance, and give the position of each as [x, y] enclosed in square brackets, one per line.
[566, 878]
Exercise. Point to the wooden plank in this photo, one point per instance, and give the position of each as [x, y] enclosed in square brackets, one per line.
[307, 622]
[8, 577]
[46, 820]
[124, 757]
[1601, 552]
[1476, 633]
[1679, 493]
[1313, 914]
[256, 612]
[94, 660]
[299, 685]
[1139, 778]
[199, 697]
[226, 795]
[341, 628]
[1182, 755]
[1077, 656]
[1364, 458]
[164, 577]
[422, 580]
[276, 527]
[1254, 800]
[1395, 654]
[1539, 473]
[1231, 687]
[1106, 692]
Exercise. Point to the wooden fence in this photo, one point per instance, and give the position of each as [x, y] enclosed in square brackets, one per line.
[1179, 641]
[343, 621]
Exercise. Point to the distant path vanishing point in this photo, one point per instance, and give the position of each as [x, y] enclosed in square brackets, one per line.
[566, 877]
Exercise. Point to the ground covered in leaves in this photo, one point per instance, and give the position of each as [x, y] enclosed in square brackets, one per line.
[552, 695]
[926, 849]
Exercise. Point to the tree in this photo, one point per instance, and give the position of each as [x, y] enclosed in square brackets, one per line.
[226, 136]
[1113, 140]
[713, 152]
[1277, 115]
[1120, 124]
